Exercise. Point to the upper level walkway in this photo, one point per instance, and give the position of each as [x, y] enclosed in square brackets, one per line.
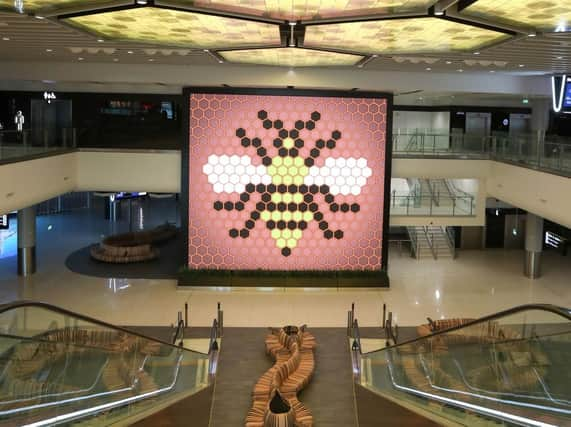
[520, 171]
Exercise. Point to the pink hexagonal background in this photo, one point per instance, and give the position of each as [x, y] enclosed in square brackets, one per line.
[214, 119]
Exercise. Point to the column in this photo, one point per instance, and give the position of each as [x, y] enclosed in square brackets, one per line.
[533, 246]
[539, 126]
[27, 241]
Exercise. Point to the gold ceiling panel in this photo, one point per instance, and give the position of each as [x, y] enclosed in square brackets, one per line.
[290, 57]
[175, 28]
[34, 6]
[307, 9]
[550, 15]
[398, 36]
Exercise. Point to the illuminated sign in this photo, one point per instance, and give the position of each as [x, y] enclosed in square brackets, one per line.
[553, 240]
[286, 182]
[4, 222]
[561, 94]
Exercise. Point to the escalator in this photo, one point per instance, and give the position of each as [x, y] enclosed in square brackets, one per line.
[60, 368]
[510, 368]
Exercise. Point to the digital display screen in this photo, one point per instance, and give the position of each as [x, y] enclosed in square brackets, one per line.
[567, 94]
[280, 182]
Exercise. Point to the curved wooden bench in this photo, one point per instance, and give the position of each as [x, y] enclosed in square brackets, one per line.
[292, 348]
[132, 247]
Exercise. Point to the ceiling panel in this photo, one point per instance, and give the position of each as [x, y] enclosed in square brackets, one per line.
[31, 39]
[175, 28]
[418, 35]
[307, 9]
[290, 57]
[551, 15]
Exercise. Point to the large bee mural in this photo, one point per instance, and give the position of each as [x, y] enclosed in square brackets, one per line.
[289, 185]
[286, 176]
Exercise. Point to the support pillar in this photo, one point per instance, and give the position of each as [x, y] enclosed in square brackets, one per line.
[539, 126]
[27, 241]
[533, 246]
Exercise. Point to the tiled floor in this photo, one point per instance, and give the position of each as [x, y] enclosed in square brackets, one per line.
[476, 283]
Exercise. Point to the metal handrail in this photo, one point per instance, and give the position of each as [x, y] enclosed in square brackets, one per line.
[561, 311]
[23, 304]
[213, 343]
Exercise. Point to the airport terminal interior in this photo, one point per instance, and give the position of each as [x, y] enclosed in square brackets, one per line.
[285, 213]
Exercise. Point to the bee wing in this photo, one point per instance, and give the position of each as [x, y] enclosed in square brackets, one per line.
[342, 175]
[231, 174]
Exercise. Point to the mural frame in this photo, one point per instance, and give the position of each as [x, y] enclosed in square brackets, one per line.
[301, 278]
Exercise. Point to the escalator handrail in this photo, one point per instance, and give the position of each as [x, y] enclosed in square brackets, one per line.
[25, 303]
[563, 312]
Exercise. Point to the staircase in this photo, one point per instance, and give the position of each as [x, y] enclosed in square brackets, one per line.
[432, 241]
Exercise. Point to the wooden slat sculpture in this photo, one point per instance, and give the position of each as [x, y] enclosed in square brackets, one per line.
[275, 394]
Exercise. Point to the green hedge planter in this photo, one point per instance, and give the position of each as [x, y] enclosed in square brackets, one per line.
[281, 279]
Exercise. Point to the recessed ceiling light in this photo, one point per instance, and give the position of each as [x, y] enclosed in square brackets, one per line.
[559, 57]
[151, 59]
[130, 52]
[100, 40]
[492, 71]
[460, 70]
[6, 39]
[40, 17]
[428, 68]
[476, 53]
[80, 58]
[49, 50]
[532, 34]
[521, 65]
[449, 62]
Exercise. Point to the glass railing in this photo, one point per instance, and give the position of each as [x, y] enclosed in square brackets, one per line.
[411, 204]
[525, 150]
[512, 367]
[15, 145]
[58, 367]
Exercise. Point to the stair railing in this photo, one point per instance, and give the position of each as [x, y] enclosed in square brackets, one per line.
[451, 240]
[430, 239]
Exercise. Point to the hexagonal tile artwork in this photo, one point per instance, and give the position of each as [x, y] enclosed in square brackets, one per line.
[291, 57]
[307, 9]
[176, 28]
[401, 36]
[286, 182]
[551, 15]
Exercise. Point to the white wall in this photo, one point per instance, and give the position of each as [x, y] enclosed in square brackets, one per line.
[104, 170]
[432, 120]
[26, 183]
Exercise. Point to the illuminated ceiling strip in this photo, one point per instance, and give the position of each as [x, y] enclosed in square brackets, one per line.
[477, 408]
[558, 103]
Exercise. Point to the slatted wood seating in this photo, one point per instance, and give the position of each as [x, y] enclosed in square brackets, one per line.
[292, 349]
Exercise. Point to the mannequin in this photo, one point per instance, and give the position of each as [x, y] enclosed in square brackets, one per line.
[19, 121]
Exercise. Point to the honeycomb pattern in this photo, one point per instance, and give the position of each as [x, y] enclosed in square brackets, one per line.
[401, 36]
[254, 202]
[308, 9]
[176, 28]
[552, 15]
[291, 57]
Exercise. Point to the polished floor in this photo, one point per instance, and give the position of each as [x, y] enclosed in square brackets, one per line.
[475, 284]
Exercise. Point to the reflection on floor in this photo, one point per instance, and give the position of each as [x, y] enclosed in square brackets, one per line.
[476, 283]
